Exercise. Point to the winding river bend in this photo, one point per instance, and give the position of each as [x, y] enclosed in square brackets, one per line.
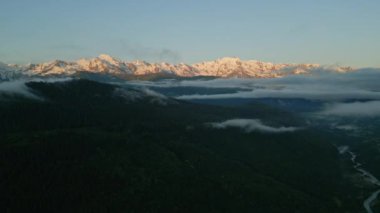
[367, 175]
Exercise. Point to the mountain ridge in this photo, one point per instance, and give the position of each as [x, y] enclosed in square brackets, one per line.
[223, 67]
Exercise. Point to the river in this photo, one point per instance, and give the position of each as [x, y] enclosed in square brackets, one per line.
[367, 175]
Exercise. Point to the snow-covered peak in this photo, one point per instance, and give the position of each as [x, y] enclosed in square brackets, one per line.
[140, 62]
[222, 67]
[228, 60]
[109, 59]
[235, 67]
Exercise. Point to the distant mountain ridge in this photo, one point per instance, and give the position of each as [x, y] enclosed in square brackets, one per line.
[9, 72]
[107, 65]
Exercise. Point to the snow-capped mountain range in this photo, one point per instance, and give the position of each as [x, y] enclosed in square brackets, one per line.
[107, 65]
[8, 72]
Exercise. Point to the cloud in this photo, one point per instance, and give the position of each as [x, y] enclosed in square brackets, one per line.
[347, 127]
[138, 51]
[133, 95]
[152, 93]
[252, 125]
[156, 97]
[321, 85]
[306, 93]
[343, 149]
[51, 80]
[214, 83]
[355, 109]
[355, 94]
[18, 87]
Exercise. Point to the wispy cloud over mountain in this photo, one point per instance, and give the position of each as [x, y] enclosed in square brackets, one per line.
[138, 51]
[355, 109]
[353, 94]
[16, 88]
[251, 125]
[320, 85]
[19, 87]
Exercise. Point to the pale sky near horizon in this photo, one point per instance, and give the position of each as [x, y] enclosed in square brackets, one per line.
[343, 32]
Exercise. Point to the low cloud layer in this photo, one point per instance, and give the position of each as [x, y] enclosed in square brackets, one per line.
[355, 109]
[326, 94]
[18, 87]
[135, 95]
[341, 90]
[321, 85]
[251, 125]
[156, 97]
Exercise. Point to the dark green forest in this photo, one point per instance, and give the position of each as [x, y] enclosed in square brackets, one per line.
[84, 146]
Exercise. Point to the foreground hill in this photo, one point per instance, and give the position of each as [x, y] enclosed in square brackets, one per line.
[83, 146]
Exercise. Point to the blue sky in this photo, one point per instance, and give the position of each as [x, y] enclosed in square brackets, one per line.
[344, 32]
